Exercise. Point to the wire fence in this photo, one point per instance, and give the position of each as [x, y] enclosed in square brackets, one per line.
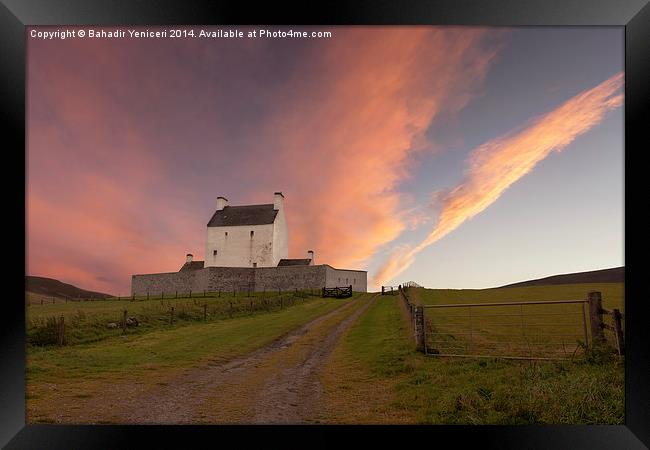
[613, 326]
[236, 292]
[82, 323]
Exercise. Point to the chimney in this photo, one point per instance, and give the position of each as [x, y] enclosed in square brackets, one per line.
[278, 201]
[188, 258]
[222, 202]
[310, 255]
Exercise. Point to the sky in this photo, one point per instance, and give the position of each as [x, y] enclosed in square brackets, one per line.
[455, 157]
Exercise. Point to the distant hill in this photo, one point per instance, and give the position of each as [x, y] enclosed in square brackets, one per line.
[614, 275]
[54, 288]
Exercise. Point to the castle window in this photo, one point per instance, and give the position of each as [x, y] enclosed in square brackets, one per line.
[226, 233]
[214, 253]
[254, 264]
[252, 233]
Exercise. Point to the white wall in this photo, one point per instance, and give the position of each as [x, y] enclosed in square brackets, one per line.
[238, 249]
[280, 238]
[341, 277]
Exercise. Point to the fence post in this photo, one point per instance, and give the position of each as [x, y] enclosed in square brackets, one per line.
[618, 329]
[231, 309]
[61, 331]
[171, 316]
[190, 293]
[419, 329]
[251, 307]
[147, 295]
[205, 311]
[596, 318]
[124, 322]
[281, 303]
[219, 293]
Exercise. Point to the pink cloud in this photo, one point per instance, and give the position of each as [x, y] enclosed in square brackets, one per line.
[128, 146]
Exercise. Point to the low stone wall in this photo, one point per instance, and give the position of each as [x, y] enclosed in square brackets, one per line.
[229, 278]
[213, 279]
[169, 283]
[290, 277]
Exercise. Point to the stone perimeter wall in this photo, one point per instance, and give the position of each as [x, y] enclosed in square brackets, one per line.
[258, 279]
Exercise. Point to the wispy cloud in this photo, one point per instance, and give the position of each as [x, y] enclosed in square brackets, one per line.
[497, 164]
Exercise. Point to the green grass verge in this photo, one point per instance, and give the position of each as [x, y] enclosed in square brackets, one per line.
[87, 322]
[436, 390]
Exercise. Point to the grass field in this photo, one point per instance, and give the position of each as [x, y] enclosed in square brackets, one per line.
[171, 346]
[56, 375]
[376, 376]
[87, 321]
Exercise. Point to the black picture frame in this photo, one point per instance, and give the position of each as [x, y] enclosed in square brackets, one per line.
[634, 15]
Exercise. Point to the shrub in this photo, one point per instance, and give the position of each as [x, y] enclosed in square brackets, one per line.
[44, 334]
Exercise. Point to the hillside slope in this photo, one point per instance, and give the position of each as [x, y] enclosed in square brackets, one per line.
[54, 288]
[613, 275]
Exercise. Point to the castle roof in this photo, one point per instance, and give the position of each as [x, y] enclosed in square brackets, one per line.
[192, 265]
[294, 262]
[231, 216]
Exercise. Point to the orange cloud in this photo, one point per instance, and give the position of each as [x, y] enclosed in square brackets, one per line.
[347, 139]
[497, 164]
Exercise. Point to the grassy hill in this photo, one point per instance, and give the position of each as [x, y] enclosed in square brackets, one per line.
[49, 287]
[613, 275]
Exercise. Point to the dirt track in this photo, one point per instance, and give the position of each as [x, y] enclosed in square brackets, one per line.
[275, 384]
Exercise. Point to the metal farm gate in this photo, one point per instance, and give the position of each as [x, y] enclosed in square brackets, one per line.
[554, 329]
[522, 330]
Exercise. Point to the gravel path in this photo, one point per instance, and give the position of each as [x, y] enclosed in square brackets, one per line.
[293, 394]
[275, 384]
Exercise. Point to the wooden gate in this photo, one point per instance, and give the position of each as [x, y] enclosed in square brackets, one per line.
[338, 292]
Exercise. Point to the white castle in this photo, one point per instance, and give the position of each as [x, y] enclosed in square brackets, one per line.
[246, 247]
[248, 236]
